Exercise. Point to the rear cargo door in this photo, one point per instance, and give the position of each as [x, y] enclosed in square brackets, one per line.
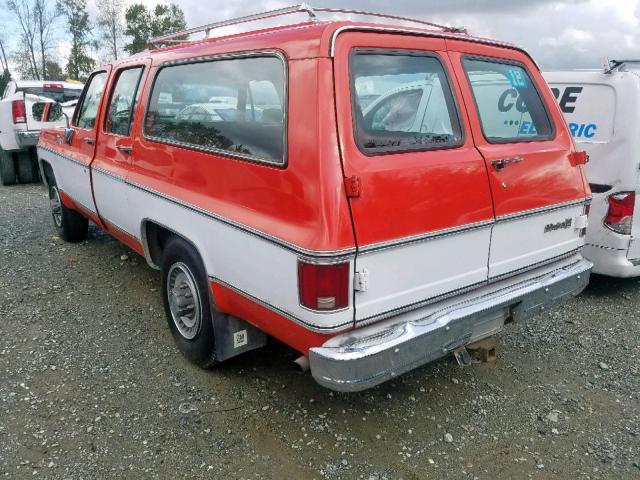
[418, 187]
[538, 190]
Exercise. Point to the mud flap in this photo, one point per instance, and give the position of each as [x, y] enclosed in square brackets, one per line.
[235, 336]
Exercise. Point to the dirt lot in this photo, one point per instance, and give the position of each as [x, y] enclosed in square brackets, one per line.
[91, 386]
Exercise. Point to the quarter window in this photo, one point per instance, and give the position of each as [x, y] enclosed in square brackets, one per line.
[233, 106]
[402, 102]
[123, 102]
[86, 114]
[508, 102]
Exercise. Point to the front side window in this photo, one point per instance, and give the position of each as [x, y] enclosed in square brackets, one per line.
[508, 102]
[234, 106]
[88, 110]
[402, 102]
[123, 102]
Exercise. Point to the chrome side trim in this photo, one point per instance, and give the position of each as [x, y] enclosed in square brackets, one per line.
[423, 237]
[284, 313]
[537, 211]
[425, 33]
[64, 157]
[326, 254]
[362, 358]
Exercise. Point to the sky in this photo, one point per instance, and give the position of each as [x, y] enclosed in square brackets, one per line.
[559, 34]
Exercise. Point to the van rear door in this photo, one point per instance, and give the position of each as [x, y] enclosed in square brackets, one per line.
[537, 185]
[419, 192]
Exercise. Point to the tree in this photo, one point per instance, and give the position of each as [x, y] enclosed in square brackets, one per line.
[4, 64]
[111, 24]
[142, 24]
[79, 64]
[45, 17]
[26, 56]
[37, 21]
[5, 77]
[54, 71]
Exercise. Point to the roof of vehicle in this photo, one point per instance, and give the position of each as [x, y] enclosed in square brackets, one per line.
[297, 41]
[42, 83]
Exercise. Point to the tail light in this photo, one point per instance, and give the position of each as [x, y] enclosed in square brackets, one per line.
[19, 111]
[620, 215]
[323, 286]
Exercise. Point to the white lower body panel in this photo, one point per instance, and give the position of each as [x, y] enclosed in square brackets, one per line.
[404, 275]
[521, 242]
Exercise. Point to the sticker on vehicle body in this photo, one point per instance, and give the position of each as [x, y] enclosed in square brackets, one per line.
[240, 339]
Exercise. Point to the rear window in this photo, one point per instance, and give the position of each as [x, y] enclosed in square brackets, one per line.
[56, 94]
[231, 106]
[508, 102]
[402, 101]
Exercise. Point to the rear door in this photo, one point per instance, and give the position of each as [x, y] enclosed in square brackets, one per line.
[538, 191]
[115, 149]
[423, 213]
[81, 138]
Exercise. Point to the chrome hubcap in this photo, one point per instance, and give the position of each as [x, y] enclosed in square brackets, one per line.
[184, 300]
[56, 206]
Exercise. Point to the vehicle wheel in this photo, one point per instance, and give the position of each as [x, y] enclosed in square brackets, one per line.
[71, 226]
[7, 168]
[25, 167]
[187, 303]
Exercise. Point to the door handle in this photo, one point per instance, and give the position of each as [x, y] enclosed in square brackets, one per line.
[124, 149]
[89, 140]
[504, 162]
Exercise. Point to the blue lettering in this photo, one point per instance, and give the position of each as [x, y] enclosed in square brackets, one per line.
[583, 130]
[590, 131]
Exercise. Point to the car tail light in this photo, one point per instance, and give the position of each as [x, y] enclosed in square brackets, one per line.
[620, 215]
[323, 286]
[19, 111]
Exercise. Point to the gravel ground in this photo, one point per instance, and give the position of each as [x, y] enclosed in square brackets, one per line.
[92, 386]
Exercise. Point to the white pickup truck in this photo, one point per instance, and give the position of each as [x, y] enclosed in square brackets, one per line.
[25, 108]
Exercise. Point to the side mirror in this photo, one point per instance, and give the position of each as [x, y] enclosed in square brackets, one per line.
[68, 133]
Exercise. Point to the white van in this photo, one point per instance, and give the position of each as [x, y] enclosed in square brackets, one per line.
[602, 109]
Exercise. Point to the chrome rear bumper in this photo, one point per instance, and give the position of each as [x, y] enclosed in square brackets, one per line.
[368, 356]
[28, 138]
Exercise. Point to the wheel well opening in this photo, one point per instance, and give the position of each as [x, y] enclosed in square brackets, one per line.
[47, 171]
[157, 238]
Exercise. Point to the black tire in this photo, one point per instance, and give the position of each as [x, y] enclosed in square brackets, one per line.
[184, 282]
[7, 168]
[70, 225]
[25, 167]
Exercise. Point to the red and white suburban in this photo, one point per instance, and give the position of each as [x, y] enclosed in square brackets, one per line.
[358, 191]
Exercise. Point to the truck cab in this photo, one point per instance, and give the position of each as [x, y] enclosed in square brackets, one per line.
[25, 108]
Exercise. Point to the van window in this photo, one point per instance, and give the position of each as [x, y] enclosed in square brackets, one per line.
[509, 105]
[232, 106]
[88, 110]
[122, 103]
[402, 102]
[55, 93]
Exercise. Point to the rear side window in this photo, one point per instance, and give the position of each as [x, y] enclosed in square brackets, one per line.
[232, 106]
[402, 101]
[509, 105]
[88, 110]
[123, 101]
